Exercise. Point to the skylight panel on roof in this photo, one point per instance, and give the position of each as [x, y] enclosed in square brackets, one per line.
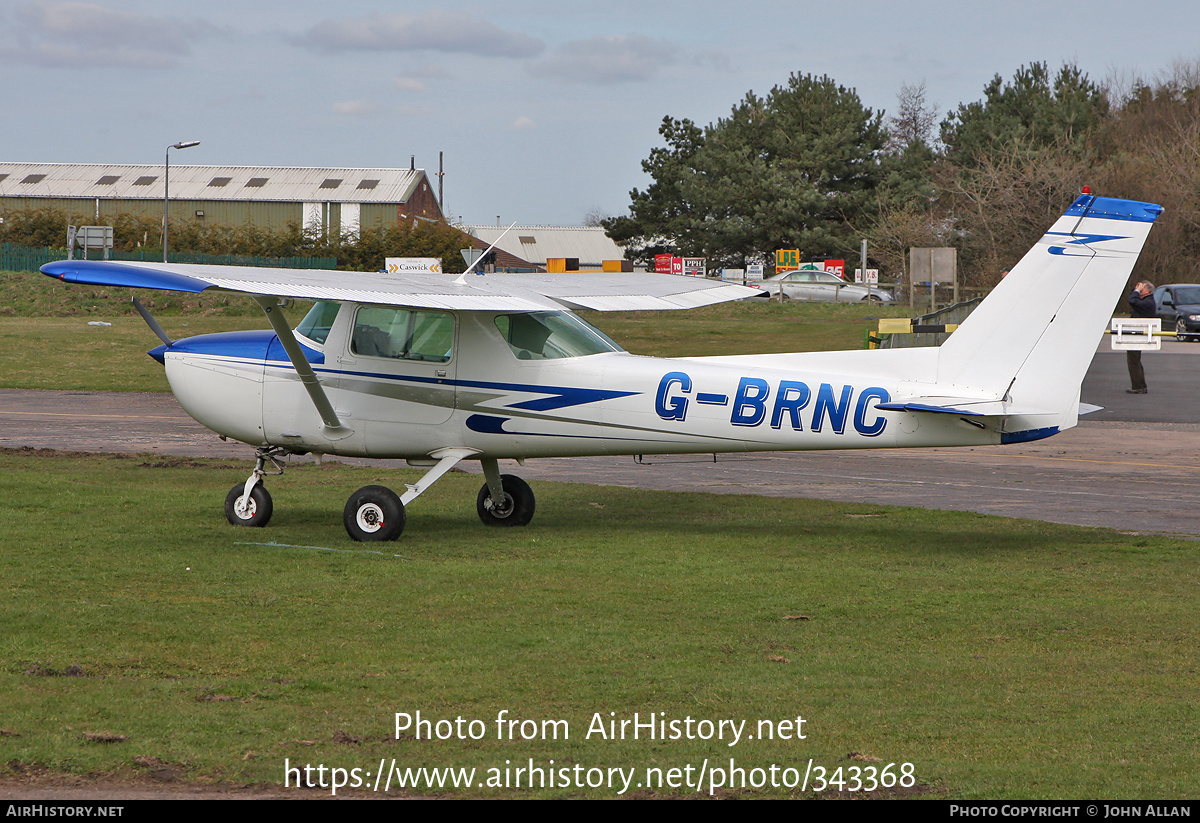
[34, 178]
[331, 183]
[108, 179]
[145, 180]
[368, 184]
[220, 181]
[256, 183]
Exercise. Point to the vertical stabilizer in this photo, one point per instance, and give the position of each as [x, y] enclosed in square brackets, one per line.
[1031, 341]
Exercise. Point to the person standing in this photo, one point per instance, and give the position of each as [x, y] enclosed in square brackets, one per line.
[1141, 303]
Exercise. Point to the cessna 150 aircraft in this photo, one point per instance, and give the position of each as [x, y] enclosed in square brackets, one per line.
[439, 369]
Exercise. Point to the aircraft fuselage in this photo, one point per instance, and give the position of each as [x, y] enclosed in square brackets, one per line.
[480, 395]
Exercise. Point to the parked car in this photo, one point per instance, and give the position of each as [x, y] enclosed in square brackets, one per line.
[1179, 307]
[806, 284]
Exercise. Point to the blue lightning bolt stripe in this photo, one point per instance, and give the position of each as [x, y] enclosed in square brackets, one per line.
[1079, 240]
[1085, 239]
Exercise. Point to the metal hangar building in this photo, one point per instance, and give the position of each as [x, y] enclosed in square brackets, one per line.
[336, 200]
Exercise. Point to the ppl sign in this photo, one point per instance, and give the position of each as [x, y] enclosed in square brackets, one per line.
[668, 264]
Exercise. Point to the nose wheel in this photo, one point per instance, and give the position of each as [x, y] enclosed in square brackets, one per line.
[249, 503]
[248, 510]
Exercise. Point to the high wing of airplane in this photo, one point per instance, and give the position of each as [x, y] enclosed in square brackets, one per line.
[438, 369]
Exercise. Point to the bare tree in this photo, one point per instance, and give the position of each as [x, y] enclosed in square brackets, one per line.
[914, 119]
[1003, 204]
[596, 216]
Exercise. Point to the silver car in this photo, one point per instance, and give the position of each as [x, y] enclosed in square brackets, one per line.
[821, 286]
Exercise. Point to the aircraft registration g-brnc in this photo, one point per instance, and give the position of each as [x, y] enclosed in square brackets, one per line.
[439, 369]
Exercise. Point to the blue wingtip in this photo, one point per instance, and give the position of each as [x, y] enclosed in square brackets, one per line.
[113, 273]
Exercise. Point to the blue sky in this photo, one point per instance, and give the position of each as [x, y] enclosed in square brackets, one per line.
[544, 110]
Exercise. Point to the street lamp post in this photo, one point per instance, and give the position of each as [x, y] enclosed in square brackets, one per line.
[187, 144]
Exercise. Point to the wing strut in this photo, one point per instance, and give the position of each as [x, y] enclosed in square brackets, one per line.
[333, 428]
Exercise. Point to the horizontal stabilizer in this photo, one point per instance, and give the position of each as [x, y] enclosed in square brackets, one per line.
[964, 406]
[973, 408]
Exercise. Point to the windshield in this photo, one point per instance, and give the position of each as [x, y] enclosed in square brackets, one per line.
[319, 320]
[549, 335]
[1191, 295]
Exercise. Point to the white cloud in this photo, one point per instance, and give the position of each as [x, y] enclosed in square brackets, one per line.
[601, 60]
[446, 31]
[408, 84]
[355, 108]
[88, 35]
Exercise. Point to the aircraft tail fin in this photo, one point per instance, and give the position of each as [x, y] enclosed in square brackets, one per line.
[1030, 342]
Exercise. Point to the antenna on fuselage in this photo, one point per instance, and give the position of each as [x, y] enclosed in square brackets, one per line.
[461, 280]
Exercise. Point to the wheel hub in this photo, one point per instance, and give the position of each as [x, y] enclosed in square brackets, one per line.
[502, 509]
[370, 518]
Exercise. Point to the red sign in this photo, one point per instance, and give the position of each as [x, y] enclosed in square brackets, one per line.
[837, 267]
[668, 264]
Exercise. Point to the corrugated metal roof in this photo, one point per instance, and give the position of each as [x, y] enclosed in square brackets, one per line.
[537, 244]
[260, 183]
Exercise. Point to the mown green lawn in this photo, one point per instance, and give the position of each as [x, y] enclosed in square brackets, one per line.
[1001, 658]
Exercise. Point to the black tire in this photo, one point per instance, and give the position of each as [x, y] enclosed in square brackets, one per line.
[374, 513]
[517, 508]
[258, 510]
[1181, 331]
[873, 298]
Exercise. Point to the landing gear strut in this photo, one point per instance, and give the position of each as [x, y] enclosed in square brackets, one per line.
[505, 499]
[249, 503]
[376, 513]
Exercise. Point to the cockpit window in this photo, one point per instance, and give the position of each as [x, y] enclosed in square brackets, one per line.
[549, 335]
[380, 331]
[319, 320]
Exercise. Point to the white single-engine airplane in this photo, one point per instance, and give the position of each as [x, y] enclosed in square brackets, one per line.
[438, 369]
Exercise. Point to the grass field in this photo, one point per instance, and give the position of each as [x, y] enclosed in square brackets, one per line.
[1003, 659]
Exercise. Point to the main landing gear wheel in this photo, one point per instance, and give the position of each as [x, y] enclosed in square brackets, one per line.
[256, 512]
[374, 513]
[515, 510]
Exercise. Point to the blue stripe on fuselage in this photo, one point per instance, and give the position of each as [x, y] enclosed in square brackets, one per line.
[558, 397]
[262, 345]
